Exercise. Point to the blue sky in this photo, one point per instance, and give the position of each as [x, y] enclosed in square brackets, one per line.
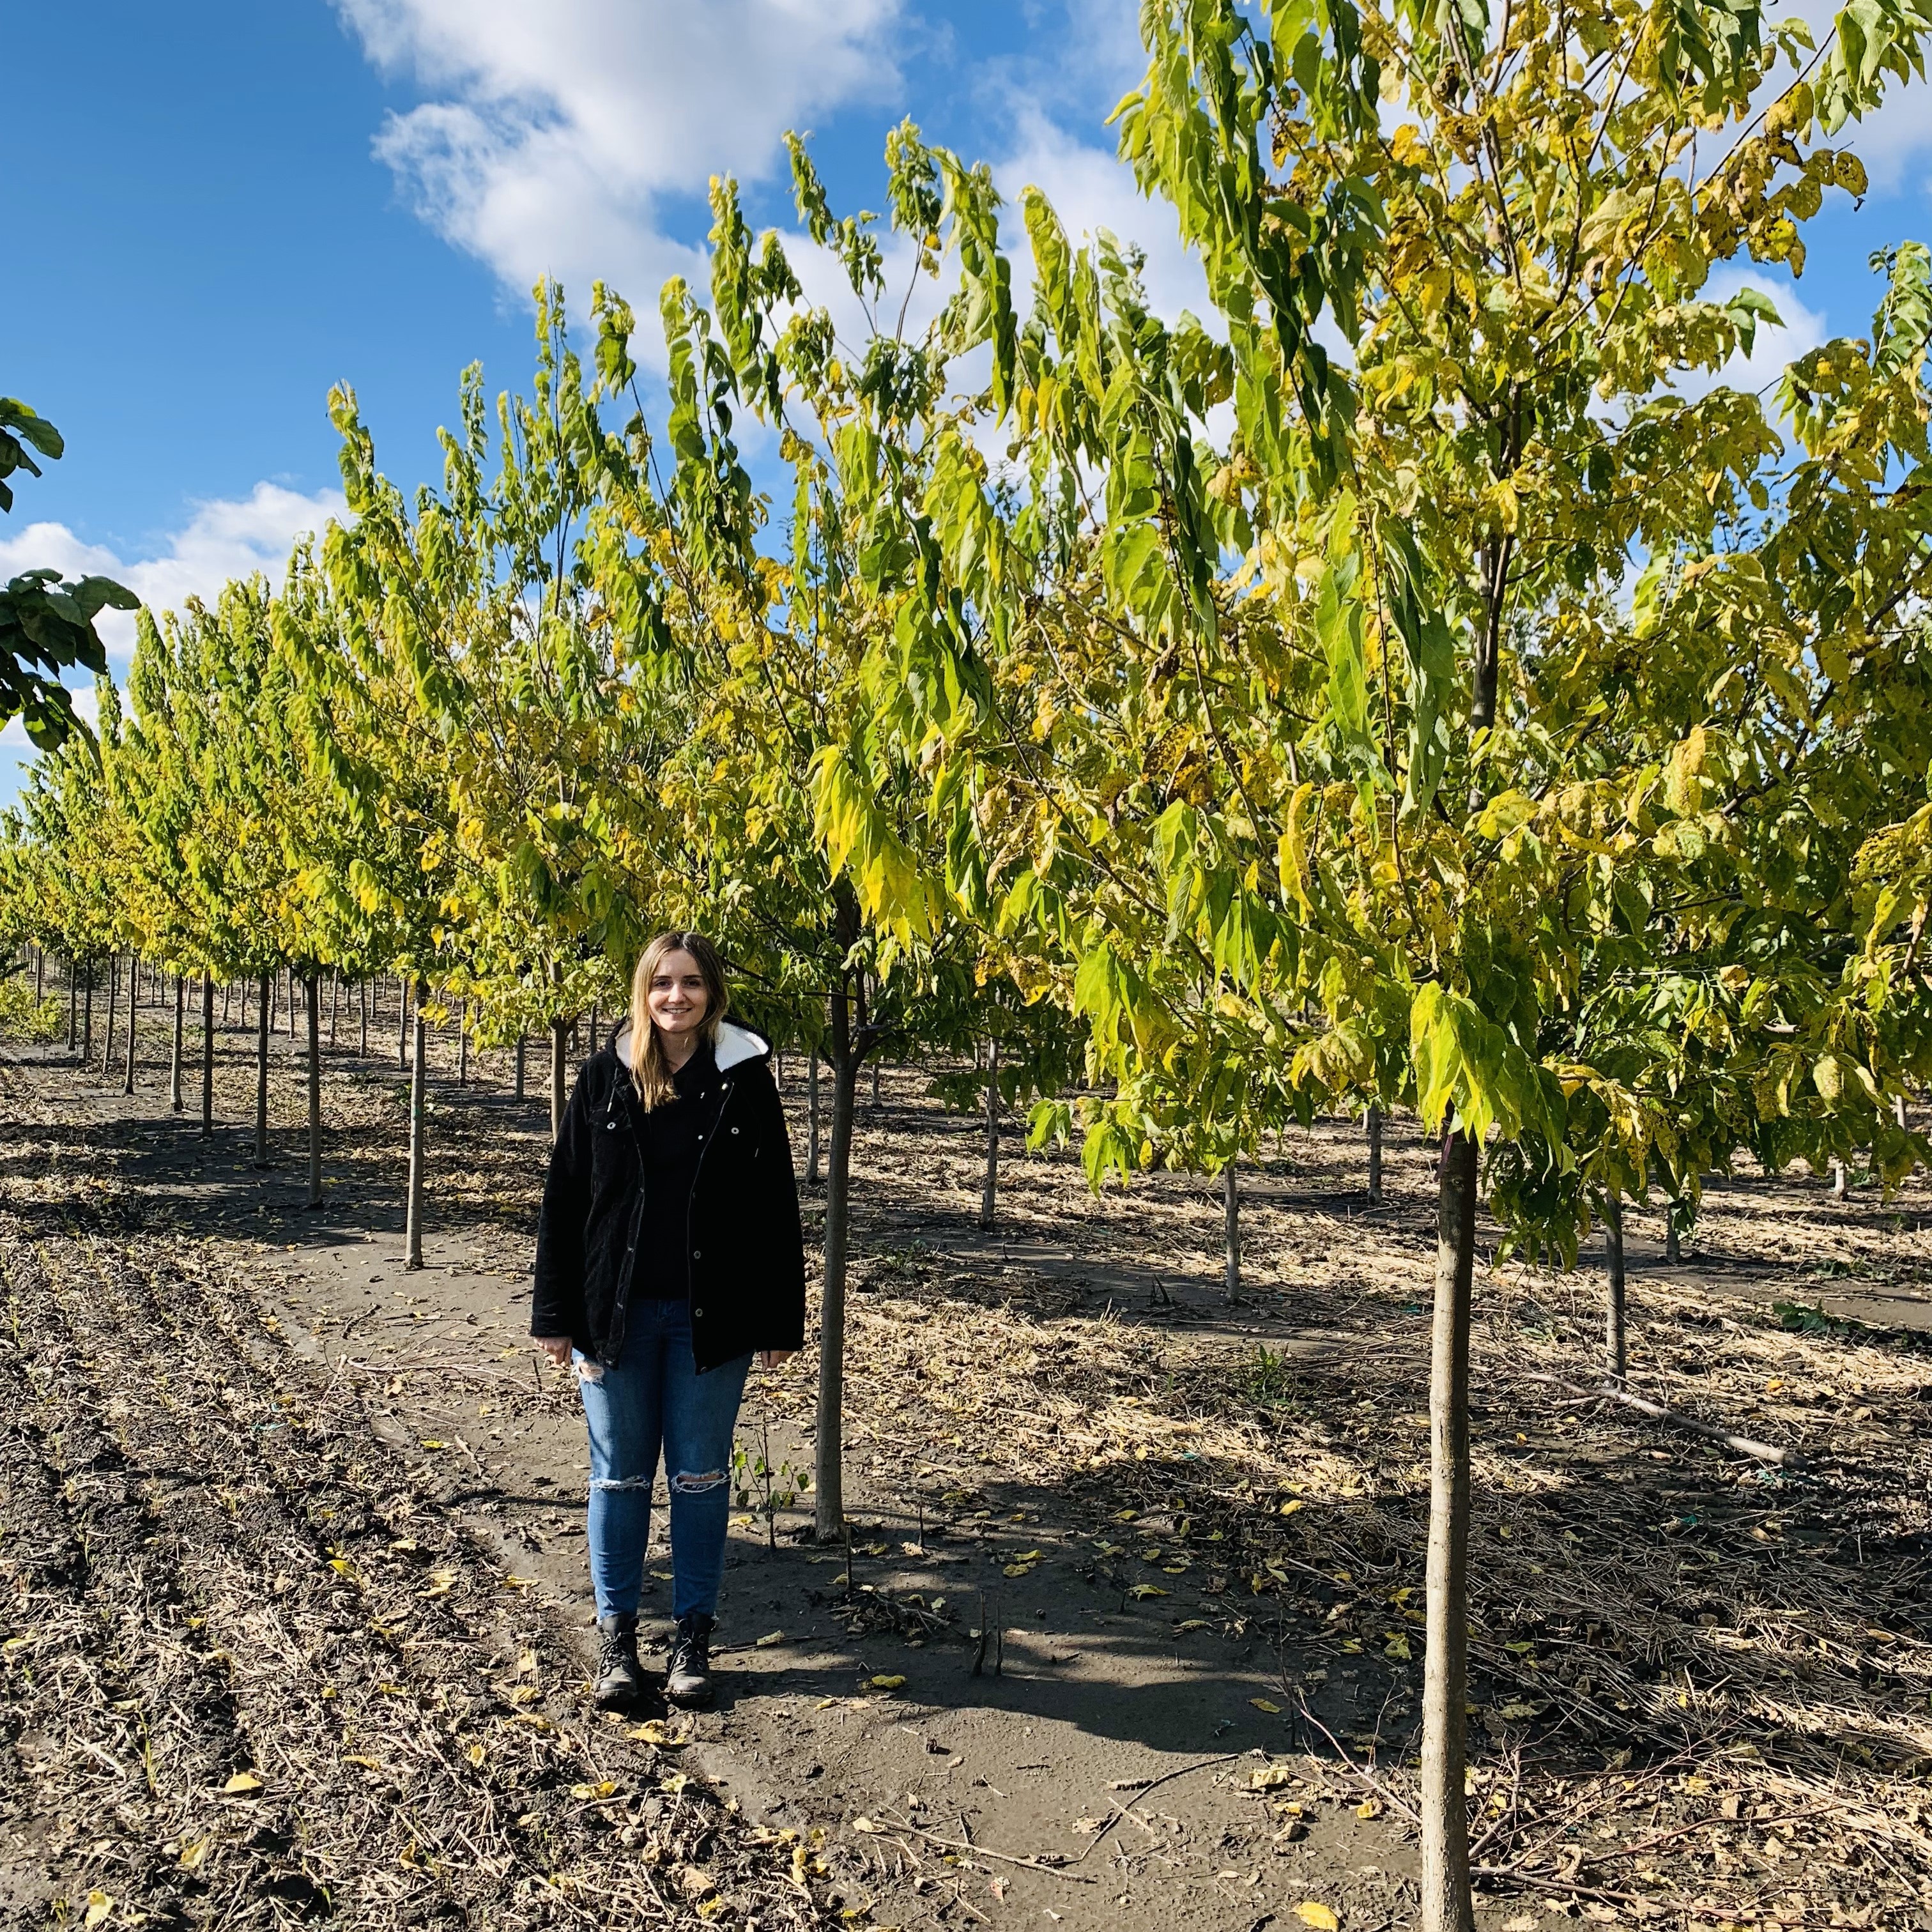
[219, 210]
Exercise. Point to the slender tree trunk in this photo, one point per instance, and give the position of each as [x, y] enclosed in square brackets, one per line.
[811, 1175]
[39, 974]
[1230, 1228]
[1375, 1156]
[1447, 1903]
[1840, 1181]
[315, 1088]
[402, 1021]
[113, 1008]
[1616, 1354]
[989, 1191]
[227, 994]
[175, 1102]
[208, 1056]
[271, 989]
[73, 1005]
[829, 1459]
[593, 1029]
[462, 1042]
[1673, 1251]
[133, 989]
[87, 1032]
[523, 1055]
[559, 1041]
[335, 1006]
[293, 1004]
[362, 994]
[263, 1022]
[418, 1123]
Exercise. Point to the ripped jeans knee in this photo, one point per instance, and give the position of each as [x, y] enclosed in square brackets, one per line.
[686, 1483]
[609, 1483]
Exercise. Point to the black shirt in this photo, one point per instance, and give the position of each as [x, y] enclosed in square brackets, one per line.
[673, 1136]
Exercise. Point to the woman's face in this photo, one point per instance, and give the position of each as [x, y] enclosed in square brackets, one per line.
[677, 999]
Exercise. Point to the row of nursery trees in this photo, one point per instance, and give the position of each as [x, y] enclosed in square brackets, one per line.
[1425, 682]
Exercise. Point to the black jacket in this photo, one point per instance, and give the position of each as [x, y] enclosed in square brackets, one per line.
[747, 1244]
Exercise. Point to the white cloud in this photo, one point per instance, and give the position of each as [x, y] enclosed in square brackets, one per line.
[557, 135]
[224, 538]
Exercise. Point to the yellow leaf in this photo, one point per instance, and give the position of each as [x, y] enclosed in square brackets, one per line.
[476, 1754]
[770, 1637]
[1272, 1778]
[1144, 1591]
[866, 1825]
[676, 1783]
[1398, 1646]
[1017, 1570]
[655, 1731]
[193, 1856]
[99, 1905]
[603, 1790]
[1266, 1704]
[888, 1683]
[1187, 1624]
[1312, 1912]
[241, 1782]
[1289, 1508]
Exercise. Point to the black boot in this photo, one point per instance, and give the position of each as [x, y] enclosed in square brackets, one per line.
[620, 1677]
[688, 1675]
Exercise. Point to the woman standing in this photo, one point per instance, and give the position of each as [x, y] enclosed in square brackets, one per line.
[669, 1251]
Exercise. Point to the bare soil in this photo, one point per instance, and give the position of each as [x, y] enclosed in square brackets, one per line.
[1128, 1633]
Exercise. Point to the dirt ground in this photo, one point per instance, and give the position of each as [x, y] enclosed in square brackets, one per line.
[1128, 1632]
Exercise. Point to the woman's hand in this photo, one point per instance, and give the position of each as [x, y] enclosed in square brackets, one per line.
[775, 1358]
[556, 1347]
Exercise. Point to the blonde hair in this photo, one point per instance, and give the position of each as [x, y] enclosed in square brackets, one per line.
[649, 1067]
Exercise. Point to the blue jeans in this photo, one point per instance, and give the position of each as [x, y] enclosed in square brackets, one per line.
[655, 1398]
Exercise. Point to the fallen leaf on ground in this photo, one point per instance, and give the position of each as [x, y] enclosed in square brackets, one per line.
[1312, 1912]
[888, 1683]
[242, 1782]
[1266, 1704]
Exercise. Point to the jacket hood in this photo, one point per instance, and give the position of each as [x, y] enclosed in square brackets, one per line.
[735, 1044]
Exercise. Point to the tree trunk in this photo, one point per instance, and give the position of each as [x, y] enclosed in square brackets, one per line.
[989, 1192]
[113, 1008]
[263, 1022]
[1616, 1356]
[271, 988]
[362, 994]
[1672, 1251]
[1447, 1904]
[829, 1460]
[293, 1003]
[811, 1176]
[87, 1033]
[1375, 1156]
[133, 992]
[73, 1005]
[1840, 1181]
[39, 974]
[402, 1021]
[559, 1039]
[335, 1006]
[175, 1102]
[1230, 1228]
[593, 1029]
[462, 1042]
[208, 1056]
[418, 1122]
[227, 994]
[523, 1055]
[314, 988]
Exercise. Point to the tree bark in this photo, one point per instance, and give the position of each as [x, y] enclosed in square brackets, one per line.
[462, 1042]
[593, 1029]
[402, 1021]
[559, 1040]
[989, 1191]
[522, 1056]
[1231, 1230]
[271, 988]
[133, 994]
[846, 1050]
[175, 1102]
[315, 1088]
[362, 995]
[72, 1004]
[113, 1007]
[811, 1175]
[87, 1033]
[1375, 1156]
[1672, 1250]
[335, 1006]
[1616, 1356]
[263, 1022]
[418, 1123]
[39, 974]
[1447, 1905]
[208, 1056]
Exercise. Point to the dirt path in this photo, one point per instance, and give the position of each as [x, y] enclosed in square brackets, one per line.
[1190, 1533]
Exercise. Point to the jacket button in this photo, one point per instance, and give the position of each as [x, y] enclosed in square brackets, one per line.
[698, 1254]
[734, 1130]
[697, 1315]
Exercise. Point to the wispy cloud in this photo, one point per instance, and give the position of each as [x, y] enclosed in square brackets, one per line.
[561, 139]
